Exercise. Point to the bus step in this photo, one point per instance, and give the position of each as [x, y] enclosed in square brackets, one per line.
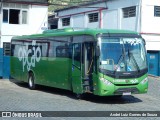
[87, 89]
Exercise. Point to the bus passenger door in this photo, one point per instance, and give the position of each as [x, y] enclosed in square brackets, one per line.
[82, 67]
[76, 68]
[87, 66]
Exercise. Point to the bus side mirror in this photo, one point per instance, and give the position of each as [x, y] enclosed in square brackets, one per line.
[97, 51]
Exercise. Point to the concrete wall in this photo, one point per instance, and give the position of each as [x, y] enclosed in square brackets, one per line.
[150, 25]
[111, 17]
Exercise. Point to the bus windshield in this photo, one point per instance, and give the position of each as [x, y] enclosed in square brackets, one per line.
[122, 54]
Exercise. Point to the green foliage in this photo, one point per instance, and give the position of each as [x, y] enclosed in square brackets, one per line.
[59, 4]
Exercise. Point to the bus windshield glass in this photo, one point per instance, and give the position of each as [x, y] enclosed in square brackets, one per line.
[122, 54]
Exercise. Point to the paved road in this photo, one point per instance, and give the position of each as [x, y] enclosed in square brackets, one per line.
[17, 97]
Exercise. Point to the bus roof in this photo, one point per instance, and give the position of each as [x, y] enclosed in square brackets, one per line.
[74, 31]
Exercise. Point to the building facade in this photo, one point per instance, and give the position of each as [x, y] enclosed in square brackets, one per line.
[19, 17]
[22, 17]
[142, 16]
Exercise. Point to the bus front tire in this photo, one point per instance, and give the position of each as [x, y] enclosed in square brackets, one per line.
[31, 81]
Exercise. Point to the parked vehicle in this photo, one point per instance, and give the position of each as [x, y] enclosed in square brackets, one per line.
[98, 61]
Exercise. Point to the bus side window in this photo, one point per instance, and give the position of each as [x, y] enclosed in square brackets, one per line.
[70, 50]
[62, 50]
[77, 54]
[15, 48]
[12, 49]
[51, 49]
[59, 47]
[44, 48]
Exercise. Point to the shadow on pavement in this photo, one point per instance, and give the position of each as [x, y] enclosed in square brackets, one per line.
[112, 99]
[87, 97]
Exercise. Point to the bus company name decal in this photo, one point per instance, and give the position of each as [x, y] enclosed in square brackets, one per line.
[29, 55]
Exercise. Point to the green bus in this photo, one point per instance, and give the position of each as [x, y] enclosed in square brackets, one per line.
[97, 61]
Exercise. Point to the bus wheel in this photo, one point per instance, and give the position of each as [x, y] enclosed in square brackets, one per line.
[31, 81]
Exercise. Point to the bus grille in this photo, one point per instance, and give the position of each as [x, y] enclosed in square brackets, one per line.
[123, 90]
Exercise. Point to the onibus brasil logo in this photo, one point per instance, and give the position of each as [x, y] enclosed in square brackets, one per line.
[29, 61]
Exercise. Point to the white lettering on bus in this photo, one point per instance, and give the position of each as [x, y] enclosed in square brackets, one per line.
[23, 55]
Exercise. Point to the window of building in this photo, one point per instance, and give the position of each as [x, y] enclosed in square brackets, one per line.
[6, 48]
[65, 21]
[157, 11]
[15, 13]
[14, 16]
[5, 16]
[15, 5]
[93, 17]
[129, 12]
[24, 17]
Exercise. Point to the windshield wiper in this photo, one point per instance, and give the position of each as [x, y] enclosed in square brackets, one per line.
[134, 60]
[119, 61]
[123, 56]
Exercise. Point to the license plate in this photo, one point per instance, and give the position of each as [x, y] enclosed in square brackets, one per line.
[127, 93]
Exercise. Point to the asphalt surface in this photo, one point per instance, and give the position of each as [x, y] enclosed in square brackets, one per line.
[17, 97]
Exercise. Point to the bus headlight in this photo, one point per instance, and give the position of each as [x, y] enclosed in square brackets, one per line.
[106, 82]
[144, 81]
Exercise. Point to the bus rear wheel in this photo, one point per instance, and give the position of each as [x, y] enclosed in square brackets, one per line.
[31, 81]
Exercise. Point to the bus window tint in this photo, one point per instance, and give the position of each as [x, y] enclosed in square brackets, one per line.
[42, 45]
[77, 54]
[62, 50]
[15, 48]
[59, 49]
[44, 48]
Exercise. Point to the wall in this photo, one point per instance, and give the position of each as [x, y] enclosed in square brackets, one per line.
[111, 17]
[79, 16]
[150, 25]
[78, 20]
[152, 41]
[38, 19]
